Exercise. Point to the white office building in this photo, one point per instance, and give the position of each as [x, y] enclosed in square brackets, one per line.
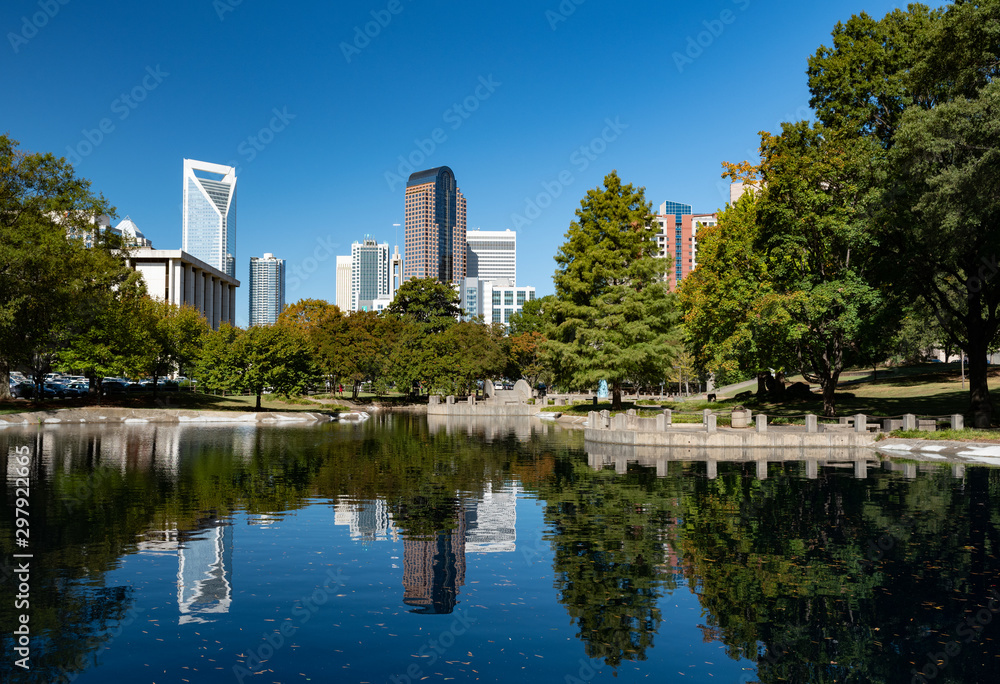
[375, 275]
[492, 255]
[344, 283]
[495, 301]
[175, 276]
[209, 214]
[267, 289]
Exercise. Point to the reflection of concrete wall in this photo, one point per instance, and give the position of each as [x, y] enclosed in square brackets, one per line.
[729, 438]
[491, 521]
[204, 575]
[491, 427]
[465, 409]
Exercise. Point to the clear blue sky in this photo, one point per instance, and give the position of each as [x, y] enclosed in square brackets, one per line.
[505, 93]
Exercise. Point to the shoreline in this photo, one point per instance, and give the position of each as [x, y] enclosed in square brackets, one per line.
[119, 415]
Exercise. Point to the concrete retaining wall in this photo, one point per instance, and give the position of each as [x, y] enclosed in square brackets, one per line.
[177, 416]
[728, 438]
[481, 409]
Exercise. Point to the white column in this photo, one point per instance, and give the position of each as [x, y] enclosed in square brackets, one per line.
[232, 305]
[171, 280]
[210, 300]
[199, 291]
[217, 301]
[224, 318]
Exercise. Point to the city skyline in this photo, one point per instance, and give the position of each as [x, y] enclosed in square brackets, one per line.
[325, 165]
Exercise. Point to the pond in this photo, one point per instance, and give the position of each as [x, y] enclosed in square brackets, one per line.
[413, 549]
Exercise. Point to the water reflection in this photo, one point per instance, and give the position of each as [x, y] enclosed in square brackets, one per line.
[814, 565]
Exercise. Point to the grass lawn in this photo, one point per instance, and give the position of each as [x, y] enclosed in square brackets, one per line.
[932, 389]
[967, 435]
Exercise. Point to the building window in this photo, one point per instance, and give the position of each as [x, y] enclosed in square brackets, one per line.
[520, 297]
[496, 315]
[508, 297]
[496, 297]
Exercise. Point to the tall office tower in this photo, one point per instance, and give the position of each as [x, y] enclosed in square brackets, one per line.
[492, 255]
[344, 283]
[495, 300]
[267, 289]
[678, 239]
[370, 275]
[209, 223]
[434, 244]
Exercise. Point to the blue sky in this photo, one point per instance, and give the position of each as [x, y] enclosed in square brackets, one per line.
[530, 103]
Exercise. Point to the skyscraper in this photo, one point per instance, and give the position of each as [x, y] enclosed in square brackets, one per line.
[267, 289]
[209, 222]
[344, 283]
[492, 255]
[369, 273]
[435, 242]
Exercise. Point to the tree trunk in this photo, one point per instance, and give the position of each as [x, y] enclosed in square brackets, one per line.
[257, 408]
[616, 396]
[4, 382]
[762, 384]
[829, 386]
[980, 404]
[155, 385]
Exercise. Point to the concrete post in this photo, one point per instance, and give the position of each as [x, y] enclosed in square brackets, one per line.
[761, 422]
[861, 469]
[669, 415]
[860, 423]
[618, 421]
[812, 468]
[434, 400]
[811, 423]
[450, 399]
[762, 469]
[712, 424]
[592, 419]
[844, 420]
[605, 419]
[909, 421]
[661, 422]
[957, 421]
[472, 399]
[704, 416]
[713, 469]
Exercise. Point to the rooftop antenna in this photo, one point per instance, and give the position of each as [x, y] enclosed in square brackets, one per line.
[396, 243]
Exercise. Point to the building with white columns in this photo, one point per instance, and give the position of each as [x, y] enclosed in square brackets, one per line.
[177, 277]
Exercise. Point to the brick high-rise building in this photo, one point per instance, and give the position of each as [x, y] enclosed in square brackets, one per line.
[435, 242]
[677, 238]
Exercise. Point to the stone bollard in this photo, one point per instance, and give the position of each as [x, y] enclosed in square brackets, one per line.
[860, 423]
[472, 399]
[669, 415]
[592, 419]
[704, 416]
[909, 421]
[812, 424]
[761, 422]
[434, 400]
[605, 419]
[560, 402]
[890, 424]
[450, 399]
[618, 421]
[844, 420]
[712, 423]
[661, 422]
[957, 421]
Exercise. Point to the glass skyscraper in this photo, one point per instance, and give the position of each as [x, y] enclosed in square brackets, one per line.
[209, 223]
[267, 289]
[435, 244]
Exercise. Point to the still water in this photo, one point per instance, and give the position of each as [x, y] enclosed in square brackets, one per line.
[403, 550]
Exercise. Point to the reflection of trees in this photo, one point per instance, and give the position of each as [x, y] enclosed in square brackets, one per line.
[779, 567]
[98, 490]
[608, 539]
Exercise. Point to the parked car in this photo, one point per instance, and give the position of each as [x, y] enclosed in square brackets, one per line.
[80, 388]
[22, 390]
[113, 387]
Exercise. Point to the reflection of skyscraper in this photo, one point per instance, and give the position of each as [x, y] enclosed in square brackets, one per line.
[434, 570]
[490, 522]
[367, 520]
[205, 573]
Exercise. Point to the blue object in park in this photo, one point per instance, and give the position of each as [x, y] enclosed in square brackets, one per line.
[602, 389]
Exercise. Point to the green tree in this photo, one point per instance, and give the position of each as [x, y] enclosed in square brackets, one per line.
[431, 304]
[118, 338]
[51, 287]
[613, 317]
[469, 351]
[275, 358]
[921, 84]
[174, 339]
